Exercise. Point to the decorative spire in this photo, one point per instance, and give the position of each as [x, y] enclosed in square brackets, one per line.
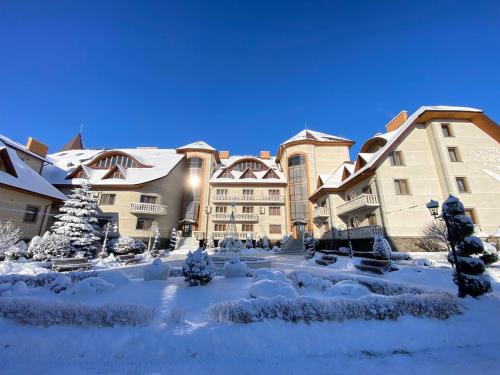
[75, 143]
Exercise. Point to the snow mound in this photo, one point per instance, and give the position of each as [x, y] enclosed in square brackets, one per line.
[347, 288]
[60, 283]
[269, 274]
[7, 267]
[155, 271]
[89, 286]
[118, 278]
[235, 268]
[272, 288]
[305, 280]
[424, 262]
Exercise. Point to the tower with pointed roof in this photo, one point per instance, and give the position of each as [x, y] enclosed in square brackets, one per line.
[74, 143]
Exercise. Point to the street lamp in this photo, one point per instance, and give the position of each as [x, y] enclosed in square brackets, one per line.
[107, 227]
[433, 207]
[347, 228]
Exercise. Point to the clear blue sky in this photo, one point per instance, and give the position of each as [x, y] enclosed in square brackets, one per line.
[241, 75]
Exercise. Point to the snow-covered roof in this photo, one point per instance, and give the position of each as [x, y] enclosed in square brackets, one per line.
[315, 136]
[158, 162]
[198, 145]
[27, 179]
[18, 146]
[259, 175]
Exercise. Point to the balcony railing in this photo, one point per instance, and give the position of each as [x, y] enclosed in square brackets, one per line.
[368, 231]
[320, 213]
[147, 208]
[219, 216]
[241, 235]
[361, 201]
[249, 198]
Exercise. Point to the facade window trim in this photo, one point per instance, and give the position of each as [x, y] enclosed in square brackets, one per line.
[402, 186]
[31, 214]
[462, 184]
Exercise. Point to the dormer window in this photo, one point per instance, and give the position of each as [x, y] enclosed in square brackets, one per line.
[81, 174]
[227, 174]
[248, 174]
[117, 172]
[270, 174]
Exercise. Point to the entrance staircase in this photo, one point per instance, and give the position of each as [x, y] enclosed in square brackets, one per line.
[293, 246]
[185, 244]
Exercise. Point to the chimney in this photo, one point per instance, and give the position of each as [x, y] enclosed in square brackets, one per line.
[224, 154]
[265, 155]
[397, 121]
[37, 147]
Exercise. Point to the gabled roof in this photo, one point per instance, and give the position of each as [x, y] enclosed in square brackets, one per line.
[25, 178]
[18, 146]
[198, 145]
[75, 143]
[122, 170]
[226, 164]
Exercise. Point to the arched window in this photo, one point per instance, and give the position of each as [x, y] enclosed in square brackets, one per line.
[297, 175]
[253, 165]
[112, 160]
[192, 190]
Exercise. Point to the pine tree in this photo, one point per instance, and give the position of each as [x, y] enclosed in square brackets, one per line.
[156, 242]
[249, 242]
[78, 220]
[265, 243]
[310, 246]
[173, 239]
[198, 268]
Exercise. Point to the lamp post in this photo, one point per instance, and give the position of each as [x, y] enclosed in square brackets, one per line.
[348, 229]
[433, 207]
[107, 227]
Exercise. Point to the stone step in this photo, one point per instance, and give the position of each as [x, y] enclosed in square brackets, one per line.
[294, 247]
[187, 243]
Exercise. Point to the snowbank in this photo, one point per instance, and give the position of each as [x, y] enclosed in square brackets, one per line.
[272, 288]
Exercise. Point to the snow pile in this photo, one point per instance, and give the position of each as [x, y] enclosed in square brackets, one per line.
[272, 288]
[423, 262]
[117, 278]
[109, 262]
[307, 309]
[269, 274]
[60, 283]
[7, 267]
[156, 271]
[235, 268]
[397, 255]
[198, 268]
[347, 288]
[8, 290]
[40, 313]
[90, 286]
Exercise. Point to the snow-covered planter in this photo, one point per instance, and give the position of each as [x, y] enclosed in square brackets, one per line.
[198, 268]
[235, 268]
[271, 288]
[307, 309]
[41, 313]
[381, 248]
[126, 245]
[156, 271]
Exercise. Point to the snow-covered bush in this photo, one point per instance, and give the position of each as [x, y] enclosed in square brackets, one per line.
[307, 309]
[231, 245]
[490, 253]
[10, 234]
[276, 249]
[156, 271]
[272, 288]
[198, 268]
[19, 250]
[78, 220]
[117, 278]
[173, 239]
[381, 248]
[397, 255]
[235, 268]
[45, 279]
[155, 229]
[305, 280]
[269, 274]
[52, 246]
[265, 243]
[310, 246]
[41, 313]
[60, 283]
[249, 241]
[90, 286]
[347, 288]
[258, 243]
[126, 245]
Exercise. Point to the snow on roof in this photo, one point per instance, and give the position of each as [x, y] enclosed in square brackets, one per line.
[161, 162]
[197, 145]
[315, 136]
[27, 179]
[269, 163]
[18, 146]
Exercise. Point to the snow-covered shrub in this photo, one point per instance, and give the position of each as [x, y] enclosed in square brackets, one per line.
[90, 286]
[53, 246]
[265, 243]
[198, 268]
[307, 309]
[210, 241]
[231, 245]
[305, 280]
[78, 220]
[249, 241]
[435, 237]
[175, 315]
[156, 271]
[60, 283]
[397, 255]
[10, 234]
[45, 279]
[173, 239]
[271, 288]
[347, 288]
[41, 313]
[309, 245]
[117, 278]
[381, 248]
[269, 274]
[423, 262]
[126, 245]
[155, 229]
[235, 268]
[258, 243]
[490, 253]
[19, 250]
[276, 249]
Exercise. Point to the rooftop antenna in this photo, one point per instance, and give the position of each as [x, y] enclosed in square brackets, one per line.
[305, 125]
[81, 128]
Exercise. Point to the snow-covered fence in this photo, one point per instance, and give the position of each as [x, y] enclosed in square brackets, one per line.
[307, 309]
[41, 313]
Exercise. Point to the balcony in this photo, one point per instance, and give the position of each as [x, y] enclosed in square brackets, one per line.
[238, 217]
[360, 202]
[249, 198]
[240, 235]
[368, 231]
[147, 209]
[320, 213]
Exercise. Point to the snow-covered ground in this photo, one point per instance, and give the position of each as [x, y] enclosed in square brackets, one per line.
[184, 340]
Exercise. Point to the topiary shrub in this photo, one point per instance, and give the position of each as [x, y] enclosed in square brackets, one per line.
[198, 268]
[381, 248]
[126, 245]
[490, 254]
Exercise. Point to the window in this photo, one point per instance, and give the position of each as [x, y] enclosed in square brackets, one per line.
[248, 174]
[454, 154]
[274, 211]
[446, 130]
[81, 174]
[151, 199]
[103, 220]
[226, 174]
[247, 210]
[462, 185]
[221, 209]
[396, 158]
[117, 174]
[297, 175]
[372, 219]
[191, 200]
[274, 192]
[3, 167]
[271, 175]
[144, 224]
[274, 229]
[31, 214]
[107, 199]
[470, 212]
[247, 227]
[402, 187]
[221, 192]
[220, 227]
[367, 190]
[247, 191]
[111, 161]
[253, 165]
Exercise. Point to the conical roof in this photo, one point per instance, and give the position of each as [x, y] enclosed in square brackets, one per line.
[75, 143]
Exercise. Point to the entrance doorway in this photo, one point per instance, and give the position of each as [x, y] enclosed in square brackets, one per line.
[300, 229]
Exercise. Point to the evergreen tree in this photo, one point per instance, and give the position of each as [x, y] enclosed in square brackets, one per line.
[198, 268]
[78, 220]
[249, 242]
[156, 242]
[310, 246]
[173, 239]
